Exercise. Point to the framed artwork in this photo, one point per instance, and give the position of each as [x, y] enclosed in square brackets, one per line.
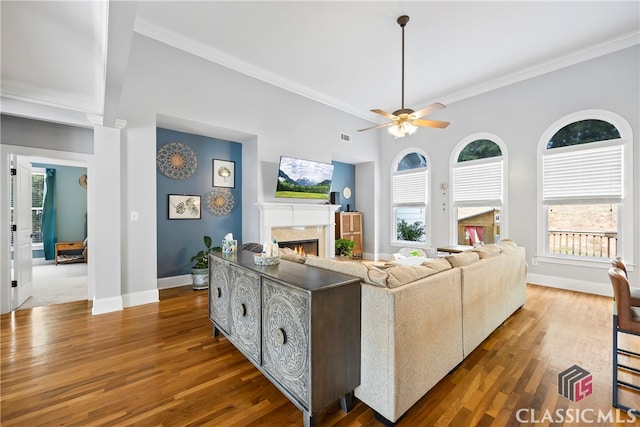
[184, 207]
[224, 173]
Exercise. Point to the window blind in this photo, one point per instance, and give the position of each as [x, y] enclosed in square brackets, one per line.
[478, 182]
[583, 174]
[410, 187]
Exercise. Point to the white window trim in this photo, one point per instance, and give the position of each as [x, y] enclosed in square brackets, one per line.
[504, 204]
[625, 213]
[427, 221]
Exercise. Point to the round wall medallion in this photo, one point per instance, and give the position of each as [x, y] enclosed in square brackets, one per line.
[220, 201]
[346, 192]
[83, 181]
[176, 160]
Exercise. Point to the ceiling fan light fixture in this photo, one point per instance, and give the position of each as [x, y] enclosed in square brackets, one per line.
[399, 130]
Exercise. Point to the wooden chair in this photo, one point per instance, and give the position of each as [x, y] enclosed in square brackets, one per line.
[618, 262]
[626, 320]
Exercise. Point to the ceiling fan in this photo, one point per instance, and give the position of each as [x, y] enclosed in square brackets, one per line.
[405, 120]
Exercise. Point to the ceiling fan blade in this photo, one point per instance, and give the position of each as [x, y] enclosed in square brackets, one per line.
[430, 123]
[385, 114]
[378, 126]
[428, 110]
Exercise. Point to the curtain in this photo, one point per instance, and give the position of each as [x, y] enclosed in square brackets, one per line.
[475, 233]
[49, 236]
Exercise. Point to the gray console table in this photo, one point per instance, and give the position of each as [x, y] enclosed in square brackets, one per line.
[299, 325]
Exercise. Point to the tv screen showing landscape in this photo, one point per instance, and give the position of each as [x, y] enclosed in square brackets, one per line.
[304, 179]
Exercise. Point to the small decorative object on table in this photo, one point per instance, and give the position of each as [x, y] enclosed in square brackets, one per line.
[261, 259]
[270, 254]
[229, 246]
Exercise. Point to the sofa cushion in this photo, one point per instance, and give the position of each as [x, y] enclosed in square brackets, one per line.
[291, 255]
[463, 258]
[507, 246]
[399, 275]
[438, 264]
[377, 275]
[486, 251]
[351, 268]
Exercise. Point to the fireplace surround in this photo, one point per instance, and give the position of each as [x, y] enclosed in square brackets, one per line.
[299, 221]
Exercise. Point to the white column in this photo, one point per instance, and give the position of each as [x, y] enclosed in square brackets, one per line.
[104, 221]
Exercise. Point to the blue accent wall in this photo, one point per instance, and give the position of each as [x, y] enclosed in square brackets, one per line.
[344, 175]
[71, 204]
[180, 239]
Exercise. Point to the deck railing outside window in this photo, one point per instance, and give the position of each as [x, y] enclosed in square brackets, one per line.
[583, 243]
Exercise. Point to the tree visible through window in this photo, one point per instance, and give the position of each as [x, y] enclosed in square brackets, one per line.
[410, 189]
[37, 201]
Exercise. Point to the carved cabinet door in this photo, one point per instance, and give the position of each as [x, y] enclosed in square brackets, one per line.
[245, 312]
[285, 337]
[219, 293]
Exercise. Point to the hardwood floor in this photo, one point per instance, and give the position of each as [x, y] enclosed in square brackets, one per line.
[158, 364]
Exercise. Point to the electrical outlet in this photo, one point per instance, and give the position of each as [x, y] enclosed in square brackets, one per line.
[133, 216]
[534, 261]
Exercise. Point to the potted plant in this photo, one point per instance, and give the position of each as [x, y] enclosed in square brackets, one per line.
[200, 270]
[344, 248]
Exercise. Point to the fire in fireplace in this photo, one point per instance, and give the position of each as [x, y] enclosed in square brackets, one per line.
[302, 247]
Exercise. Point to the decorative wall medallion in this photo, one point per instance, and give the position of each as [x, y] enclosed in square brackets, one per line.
[83, 181]
[220, 201]
[176, 160]
[285, 335]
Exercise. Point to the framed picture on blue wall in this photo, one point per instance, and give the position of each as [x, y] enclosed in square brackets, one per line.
[184, 207]
[224, 173]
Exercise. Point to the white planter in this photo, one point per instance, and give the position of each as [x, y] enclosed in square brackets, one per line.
[200, 278]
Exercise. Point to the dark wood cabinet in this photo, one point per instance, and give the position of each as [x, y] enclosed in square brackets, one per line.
[349, 226]
[298, 325]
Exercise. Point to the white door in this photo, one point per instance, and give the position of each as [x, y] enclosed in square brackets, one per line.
[22, 255]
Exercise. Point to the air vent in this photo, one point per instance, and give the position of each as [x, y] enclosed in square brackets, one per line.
[345, 138]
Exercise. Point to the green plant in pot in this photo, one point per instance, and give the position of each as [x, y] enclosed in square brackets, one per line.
[200, 269]
[344, 248]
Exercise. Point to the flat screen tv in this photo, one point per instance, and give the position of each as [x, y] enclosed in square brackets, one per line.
[304, 179]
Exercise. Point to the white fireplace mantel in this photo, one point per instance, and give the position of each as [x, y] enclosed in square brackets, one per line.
[288, 215]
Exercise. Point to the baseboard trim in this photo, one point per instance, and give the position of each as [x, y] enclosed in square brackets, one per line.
[597, 288]
[106, 305]
[174, 281]
[140, 298]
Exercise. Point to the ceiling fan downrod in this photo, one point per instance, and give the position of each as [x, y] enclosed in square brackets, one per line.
[402, 21]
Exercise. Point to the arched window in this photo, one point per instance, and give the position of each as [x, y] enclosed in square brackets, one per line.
[583, 181]
[478, 189]
[410, 188]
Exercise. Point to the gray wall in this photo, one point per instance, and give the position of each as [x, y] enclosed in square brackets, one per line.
[51, 136]
[519, 114]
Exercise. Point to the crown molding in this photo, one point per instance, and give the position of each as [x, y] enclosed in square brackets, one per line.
[190, 45]
[197, 48]
[572, 58]
[52, 98]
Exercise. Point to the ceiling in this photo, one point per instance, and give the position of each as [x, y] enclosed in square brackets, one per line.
[64, 60]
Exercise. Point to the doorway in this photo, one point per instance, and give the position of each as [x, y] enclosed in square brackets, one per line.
[63, 284]
[58, 276]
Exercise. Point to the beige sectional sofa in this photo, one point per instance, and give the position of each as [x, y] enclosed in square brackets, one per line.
[420, 322]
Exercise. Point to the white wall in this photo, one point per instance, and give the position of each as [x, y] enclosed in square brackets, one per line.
[519, 114]
[165, 85]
